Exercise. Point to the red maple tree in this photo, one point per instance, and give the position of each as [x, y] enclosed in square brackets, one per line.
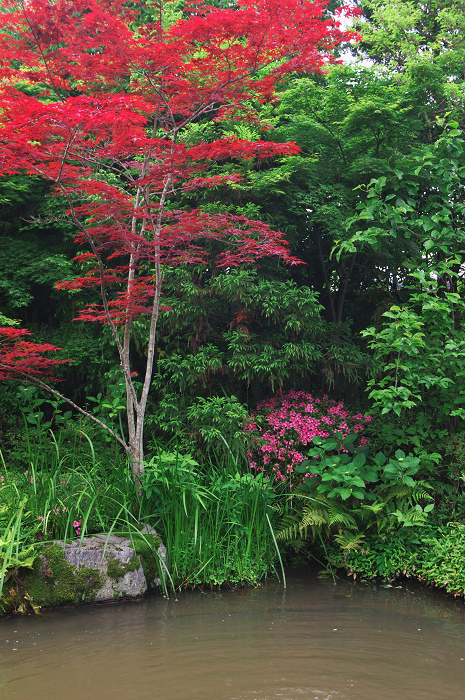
[113, 95]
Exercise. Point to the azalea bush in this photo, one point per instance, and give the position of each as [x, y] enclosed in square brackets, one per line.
[283, 426]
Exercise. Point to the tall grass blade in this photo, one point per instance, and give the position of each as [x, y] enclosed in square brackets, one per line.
[277, 550]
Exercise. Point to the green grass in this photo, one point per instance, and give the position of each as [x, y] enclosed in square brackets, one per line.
[215, 520]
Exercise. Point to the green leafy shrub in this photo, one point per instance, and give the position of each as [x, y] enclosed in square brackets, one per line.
[387, 555]
[16, 553]
[434, 555]
[443, 560]
[346, 496]
[211, 426]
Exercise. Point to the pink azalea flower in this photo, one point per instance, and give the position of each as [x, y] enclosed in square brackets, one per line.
[283, 427]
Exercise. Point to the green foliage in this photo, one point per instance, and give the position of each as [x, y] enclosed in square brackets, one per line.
[433, 555]
[453, 451]
[422, 42]
[389, 555]
[15, 554]
[419, 345]
[342, 473]
[347, 496]
[240, 327]
[68, 490]
[50, 434]
[111, 406]
[442, 563]
[413, 432]
[420, 355]
[380, 177]
[214, 524]
[239, 334]
[217, 416]
[210, 426]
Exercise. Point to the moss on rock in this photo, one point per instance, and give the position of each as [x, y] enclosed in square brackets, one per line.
[54, 581]
[117, 570]
[146, 548]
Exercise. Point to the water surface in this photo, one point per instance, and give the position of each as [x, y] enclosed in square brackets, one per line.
[316, 641]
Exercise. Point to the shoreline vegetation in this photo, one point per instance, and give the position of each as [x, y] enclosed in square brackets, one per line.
[297, 481]
[232, 274]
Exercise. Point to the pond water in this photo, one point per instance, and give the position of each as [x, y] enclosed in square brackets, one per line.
[316, 641]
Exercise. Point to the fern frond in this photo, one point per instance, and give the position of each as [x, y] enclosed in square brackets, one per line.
[420, 494]
[397, 491]
[313, 515]
[350, 540]
[377, 508]
[289, 527]
[342, 518]
[417, 493]
[416, 516]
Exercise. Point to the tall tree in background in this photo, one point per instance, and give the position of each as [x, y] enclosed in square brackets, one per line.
[96, 102]
[423, 45]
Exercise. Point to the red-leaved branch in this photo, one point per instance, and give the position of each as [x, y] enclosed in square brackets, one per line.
[22, 359]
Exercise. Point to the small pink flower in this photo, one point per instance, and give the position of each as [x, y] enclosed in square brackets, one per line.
[32, 480]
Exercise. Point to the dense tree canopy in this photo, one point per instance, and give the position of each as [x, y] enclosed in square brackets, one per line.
[96, 101]
[167, 160]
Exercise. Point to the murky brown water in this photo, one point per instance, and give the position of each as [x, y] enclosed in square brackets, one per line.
[318, 641]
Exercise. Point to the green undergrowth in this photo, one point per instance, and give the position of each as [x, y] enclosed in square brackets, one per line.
[220, 520]
[387, 556]
[435, 556]
[443, 562]
[214, 519]
[215, 522]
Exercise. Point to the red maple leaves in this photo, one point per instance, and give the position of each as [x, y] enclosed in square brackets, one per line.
[113, 94]
[21, 359]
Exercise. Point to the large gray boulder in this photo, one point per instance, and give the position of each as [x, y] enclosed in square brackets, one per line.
[114, 568]
[115, 560]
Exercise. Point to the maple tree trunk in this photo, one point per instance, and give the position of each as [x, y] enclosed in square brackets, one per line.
[136, 409]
